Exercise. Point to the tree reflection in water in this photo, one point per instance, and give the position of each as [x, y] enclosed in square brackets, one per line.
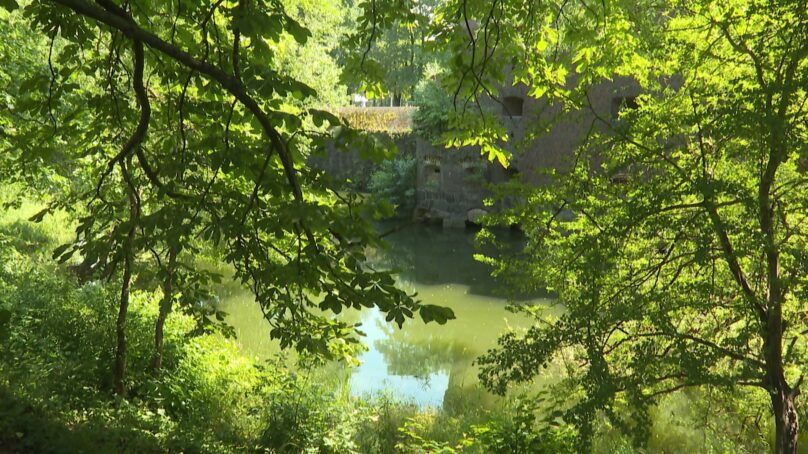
[429, 365]
[432, 365]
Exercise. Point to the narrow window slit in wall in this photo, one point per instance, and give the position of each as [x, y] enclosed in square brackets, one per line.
[513, 106]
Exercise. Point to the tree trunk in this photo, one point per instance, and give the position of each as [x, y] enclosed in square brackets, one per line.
[120, 330]
[165, 309]
[783, 396]
[785, 419]
[119, 371]
[119, 375]
[396, 100]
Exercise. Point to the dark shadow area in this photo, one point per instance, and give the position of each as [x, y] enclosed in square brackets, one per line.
[26, 428]
[431, 255]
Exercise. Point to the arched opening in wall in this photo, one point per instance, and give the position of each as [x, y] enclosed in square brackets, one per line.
[473, 226]
[621, 103]
[473, 170]
[513, 106]
[619, 178]
[426, 216]
[432, 176]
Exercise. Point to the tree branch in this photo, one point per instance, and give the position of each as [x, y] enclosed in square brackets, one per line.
[139, 135]
[226, 81]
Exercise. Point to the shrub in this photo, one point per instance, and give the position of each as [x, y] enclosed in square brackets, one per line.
[55, 380]
[434, 103]
[394, 181]
[314, 420]
[523, 432]
[390, 120]
[515, 431]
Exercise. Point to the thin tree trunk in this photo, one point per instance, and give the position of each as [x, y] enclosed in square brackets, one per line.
[119, 375]
[165, 309]
[119, 372]
[124, 159]
[786, 421]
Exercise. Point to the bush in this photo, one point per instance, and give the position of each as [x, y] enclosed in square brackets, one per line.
[55, 379]
[314, 421]
[380, 431]
[524, 433]
[516, 431]
[389, 120]
[394, 182]
[434, 103]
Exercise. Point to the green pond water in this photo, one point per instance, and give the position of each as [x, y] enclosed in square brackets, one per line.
[428, 365]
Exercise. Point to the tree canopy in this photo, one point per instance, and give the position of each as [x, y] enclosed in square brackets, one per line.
[172, 126]
[675, 238]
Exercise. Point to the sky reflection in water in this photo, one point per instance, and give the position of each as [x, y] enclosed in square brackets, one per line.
[428, 365]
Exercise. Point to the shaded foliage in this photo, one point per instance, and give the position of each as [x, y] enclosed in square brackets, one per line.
[394, 182]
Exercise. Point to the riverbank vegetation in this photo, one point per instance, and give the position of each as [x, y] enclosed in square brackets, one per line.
[56, 391]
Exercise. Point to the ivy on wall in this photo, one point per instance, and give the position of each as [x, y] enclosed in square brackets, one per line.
[391, 120]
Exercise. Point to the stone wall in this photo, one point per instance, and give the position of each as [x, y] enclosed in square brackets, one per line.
[348, 165]
[555, 148]
[452, 184]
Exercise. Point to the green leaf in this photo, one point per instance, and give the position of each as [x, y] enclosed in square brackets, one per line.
[40, 214]
[300, 33]
[9, 5]
[60, 250]
[438, 314]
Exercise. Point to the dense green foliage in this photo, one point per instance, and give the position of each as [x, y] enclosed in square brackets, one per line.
[316, 62]
[393, 56]
[56, 379]
[180, 127]
[160, 132]
[688, 273]
[674, 238]
[157, 133]
[434, 102]
[394, 181]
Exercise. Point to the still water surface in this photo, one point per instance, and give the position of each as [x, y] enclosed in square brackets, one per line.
[429, 365]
